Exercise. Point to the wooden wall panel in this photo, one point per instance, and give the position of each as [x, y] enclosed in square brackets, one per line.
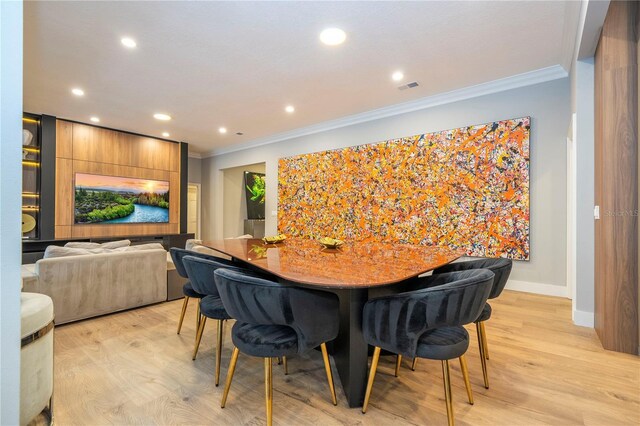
[88, 149]
[64, 192]
[64, 139]
[616, 190]
[84, 231]
[108, 146]
[63, 232]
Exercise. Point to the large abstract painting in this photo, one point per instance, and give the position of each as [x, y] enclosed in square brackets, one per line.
[465, 188]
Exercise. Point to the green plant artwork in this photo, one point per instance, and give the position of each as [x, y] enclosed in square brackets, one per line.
[255, 191]
[258, 189]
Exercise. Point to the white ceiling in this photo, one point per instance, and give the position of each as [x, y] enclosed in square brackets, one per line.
[237, 64]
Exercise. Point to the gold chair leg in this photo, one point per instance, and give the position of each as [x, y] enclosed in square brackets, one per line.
[232, 369]
[465, 376]
[198, 314]
[219, 352]
[268, 389]
[184, 310]
[327, 367]
[484, 340]
[447, 391]
[372, 375]
[414, 363]
[483, 359]
[398, 363]
[203, 321]
[285, 366]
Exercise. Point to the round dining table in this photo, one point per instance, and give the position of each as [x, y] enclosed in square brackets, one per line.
[355, 271]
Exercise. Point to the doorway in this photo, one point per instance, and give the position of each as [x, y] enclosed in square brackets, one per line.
[234, 199]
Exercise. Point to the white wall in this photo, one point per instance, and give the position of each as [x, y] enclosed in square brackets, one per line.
[10, 202]
[583, 91]
[235, 204]
[195, 170]
[547, 103]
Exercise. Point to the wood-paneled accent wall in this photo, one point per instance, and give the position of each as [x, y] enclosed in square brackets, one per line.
[81, 148]
[616, 179]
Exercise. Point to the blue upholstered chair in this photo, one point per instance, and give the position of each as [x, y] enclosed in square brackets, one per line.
[501, 268]
[187, 289]
[276, 320]
[200, 272]
[428, 323]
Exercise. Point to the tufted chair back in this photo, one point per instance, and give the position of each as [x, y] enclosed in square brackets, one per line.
[396, 322]
[312, 314]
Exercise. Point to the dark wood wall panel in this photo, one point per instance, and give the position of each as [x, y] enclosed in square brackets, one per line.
[616, 178]
[88, 149]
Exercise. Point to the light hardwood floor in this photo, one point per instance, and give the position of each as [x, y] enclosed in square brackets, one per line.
[132, 368]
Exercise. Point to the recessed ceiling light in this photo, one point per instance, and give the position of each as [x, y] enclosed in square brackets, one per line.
[95, 119]
[163, 117]
[333, 36]
[397, 76]
[289, 109]
[222, 130]
[128, 42]
[166, 134]
[77, 92]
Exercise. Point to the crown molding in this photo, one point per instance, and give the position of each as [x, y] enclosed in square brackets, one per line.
[520, 80]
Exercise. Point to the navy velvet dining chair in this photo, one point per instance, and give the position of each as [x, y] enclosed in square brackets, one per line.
[187, 289]
[502, 269]
[276, 320]
[428, 323]
[200, 272]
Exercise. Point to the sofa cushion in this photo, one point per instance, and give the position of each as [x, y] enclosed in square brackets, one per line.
[57, 251]
[115, 244]
[28, 274]
[82, 245]
[191, 243]
[140, 247]
[109, 246]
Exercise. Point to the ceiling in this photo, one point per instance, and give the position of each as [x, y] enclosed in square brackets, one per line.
[238, 64]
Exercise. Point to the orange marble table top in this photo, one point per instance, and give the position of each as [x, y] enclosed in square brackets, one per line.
[354, 265]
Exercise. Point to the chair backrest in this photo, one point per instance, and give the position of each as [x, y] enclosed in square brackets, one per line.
[314, 315]
[500, 267]
[396, 322]
[177, 254]
[200, 272]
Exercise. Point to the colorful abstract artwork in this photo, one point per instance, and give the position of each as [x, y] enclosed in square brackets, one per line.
[465, 188]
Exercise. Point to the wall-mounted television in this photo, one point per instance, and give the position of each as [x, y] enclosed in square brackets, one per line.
[114, 199]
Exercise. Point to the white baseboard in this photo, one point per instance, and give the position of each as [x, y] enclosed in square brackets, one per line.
[583, 318]
[538, 288]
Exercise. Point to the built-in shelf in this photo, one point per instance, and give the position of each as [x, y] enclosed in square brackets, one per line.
[31, 175]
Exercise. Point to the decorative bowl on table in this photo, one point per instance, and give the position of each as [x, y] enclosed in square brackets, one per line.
[330, 243]
[274, 239]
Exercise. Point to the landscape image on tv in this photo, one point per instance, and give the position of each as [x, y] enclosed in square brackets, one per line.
[113, 199]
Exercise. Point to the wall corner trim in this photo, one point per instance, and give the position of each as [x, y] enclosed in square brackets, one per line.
[538, 288]
[583, 318]
[529, 78]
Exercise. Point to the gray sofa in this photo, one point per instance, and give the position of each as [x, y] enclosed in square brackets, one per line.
[89, 285]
